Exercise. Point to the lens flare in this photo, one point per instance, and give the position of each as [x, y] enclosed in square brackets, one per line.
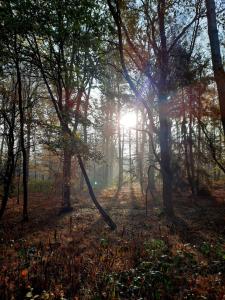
[128, 120]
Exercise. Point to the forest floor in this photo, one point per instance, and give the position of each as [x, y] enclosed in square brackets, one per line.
[76, 256]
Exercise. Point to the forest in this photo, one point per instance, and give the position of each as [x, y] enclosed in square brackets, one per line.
[112, 149]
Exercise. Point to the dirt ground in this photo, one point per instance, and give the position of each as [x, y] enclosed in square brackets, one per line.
[76, 256]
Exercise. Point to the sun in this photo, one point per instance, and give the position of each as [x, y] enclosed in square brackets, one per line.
[128, 120]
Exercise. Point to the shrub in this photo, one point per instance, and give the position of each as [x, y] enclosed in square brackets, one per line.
[40, 185]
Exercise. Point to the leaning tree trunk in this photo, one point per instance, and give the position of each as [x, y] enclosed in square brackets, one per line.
[105, 216]
[216, 56]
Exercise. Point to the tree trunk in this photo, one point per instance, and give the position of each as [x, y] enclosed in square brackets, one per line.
[107, 162]
[130, 157]
[105, 216]
[164, 128]
[198, 150]
[10, 165]
[216, 56]
[29, 121]
[187, 164]
[86, 106]
[22, 140]
[137, 165]
[120, 163]
[18, 183]
[151, 173]
[151, 170]
[6, 191]
[85, 141]
[2, 147]
[190, 142]
[142, 152]
[165, 145]
[66, 178]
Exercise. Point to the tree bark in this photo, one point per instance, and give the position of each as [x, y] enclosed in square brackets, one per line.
[2, 147]
[105, 216]
[137, 165]
[142, 152]
[66, 178]
[10, 165]
[164, 141]
[165, 129]
[120, 149]
[219, 73]
[130, 157]
[190, 141]
[22, 139]
[7, 185]
[187, 140]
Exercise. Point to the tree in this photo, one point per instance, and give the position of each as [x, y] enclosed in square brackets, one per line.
[66, 52]
[217, 63]
[8, 120]
[151, 57]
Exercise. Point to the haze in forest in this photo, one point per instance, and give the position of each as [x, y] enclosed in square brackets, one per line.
[112, 165]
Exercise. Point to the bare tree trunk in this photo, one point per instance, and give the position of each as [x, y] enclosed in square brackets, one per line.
[10, 165]
[188, 147]
[29, 121]
[216, 56]
[151, 173]
[165, 128]
[85, 141]
[151, 155]
[198, 155]
[22, 138]
[110, 150]
[2, 147]
[18, 183]
[35, 157]
[164, 141]
[120, 163]
[137, 171]
[108, 158]
[187, 164]
[106, 151]
[142, 152]
[130, 157]
[67, 157]
[7, 185]
[190, 142]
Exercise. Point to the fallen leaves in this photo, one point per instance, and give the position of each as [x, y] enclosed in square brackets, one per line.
[77, 257]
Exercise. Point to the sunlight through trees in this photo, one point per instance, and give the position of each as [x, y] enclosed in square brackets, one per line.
[112, 149]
